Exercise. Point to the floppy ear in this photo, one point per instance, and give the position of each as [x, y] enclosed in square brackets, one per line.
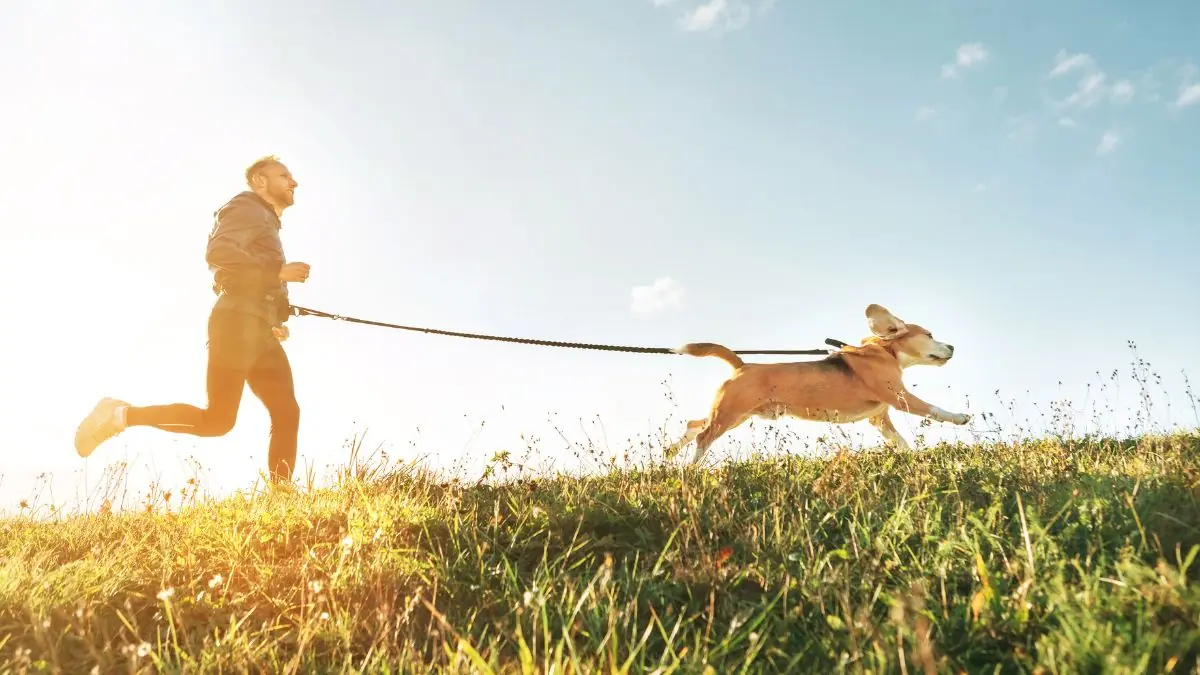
[882, 323]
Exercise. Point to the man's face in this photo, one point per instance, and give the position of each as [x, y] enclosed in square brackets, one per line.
[280, 187]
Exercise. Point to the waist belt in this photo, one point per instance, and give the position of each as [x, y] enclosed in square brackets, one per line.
[269, 300]
[268, 296]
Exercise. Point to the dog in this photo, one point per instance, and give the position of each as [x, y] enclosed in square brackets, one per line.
[850, 385]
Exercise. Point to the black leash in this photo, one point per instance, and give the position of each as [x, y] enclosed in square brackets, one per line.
[305, 311]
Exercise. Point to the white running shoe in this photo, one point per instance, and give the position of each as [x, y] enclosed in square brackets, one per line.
[106, 420]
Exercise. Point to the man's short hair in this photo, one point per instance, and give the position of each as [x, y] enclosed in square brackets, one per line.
[257, 167]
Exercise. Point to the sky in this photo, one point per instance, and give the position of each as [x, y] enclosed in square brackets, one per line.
[1018, 177]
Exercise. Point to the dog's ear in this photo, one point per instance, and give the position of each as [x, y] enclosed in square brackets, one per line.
[882, 323]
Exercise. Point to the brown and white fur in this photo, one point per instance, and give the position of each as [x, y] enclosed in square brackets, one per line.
[852, 384]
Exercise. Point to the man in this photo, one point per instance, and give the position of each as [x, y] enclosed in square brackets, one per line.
[245, 328]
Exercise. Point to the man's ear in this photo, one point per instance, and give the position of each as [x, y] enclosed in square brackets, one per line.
[882, 323]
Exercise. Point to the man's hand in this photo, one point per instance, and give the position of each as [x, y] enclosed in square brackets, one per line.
[281, 332]
[296, 272]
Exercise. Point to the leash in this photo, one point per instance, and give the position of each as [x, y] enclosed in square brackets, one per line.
[305, 311]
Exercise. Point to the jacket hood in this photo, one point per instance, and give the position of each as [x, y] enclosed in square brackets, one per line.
[248, 198]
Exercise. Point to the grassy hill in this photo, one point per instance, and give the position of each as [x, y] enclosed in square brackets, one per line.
[1044, 556]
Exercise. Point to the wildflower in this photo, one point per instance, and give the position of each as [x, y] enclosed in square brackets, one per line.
[215, 581]
[166, 594]
[143, 650]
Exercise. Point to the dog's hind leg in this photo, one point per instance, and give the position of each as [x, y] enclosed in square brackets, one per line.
[723, 419]
[693, 429]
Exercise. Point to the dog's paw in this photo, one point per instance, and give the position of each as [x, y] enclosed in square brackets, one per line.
[961, 419]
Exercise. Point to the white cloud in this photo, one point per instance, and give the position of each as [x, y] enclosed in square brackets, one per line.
[1108, 142]
[966, 56]
[665, 293]
[705, 16]
[718, 15]
[1091, 90]
[1065, 63]
[1093, 86]
[1188, 96]
[1169, 81]
[1122, 91]
[1067, 122]
[925, 113]
[710, 14]
[970, 54]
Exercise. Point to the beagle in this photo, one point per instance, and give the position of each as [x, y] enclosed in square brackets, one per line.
[849, 385]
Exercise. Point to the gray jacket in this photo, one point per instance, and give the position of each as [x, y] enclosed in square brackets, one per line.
[245, 255]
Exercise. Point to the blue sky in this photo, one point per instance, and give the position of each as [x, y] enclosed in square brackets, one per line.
[1018, 177]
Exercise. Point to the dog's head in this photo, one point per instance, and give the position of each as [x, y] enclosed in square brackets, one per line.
[912, 344]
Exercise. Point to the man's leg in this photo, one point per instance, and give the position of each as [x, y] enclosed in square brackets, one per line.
[224, 385]
[233, 345]
[270, 380]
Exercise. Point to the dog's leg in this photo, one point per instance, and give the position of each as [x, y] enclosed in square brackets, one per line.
[693, 429]
[883, 422]
[721, 421]
[903, 400]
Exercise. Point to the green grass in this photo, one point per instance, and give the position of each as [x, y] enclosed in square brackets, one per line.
[1050, 556]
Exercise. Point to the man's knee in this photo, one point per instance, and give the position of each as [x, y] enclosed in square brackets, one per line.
[218, 423]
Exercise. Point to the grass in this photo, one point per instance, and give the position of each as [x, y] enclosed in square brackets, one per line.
[1071, 557]
[1044, 555]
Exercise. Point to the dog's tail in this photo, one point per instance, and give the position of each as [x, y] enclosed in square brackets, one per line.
[710, 349]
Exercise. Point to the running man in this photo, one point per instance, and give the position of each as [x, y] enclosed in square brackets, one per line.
[245, 328]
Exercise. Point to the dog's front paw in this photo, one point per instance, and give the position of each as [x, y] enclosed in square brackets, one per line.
[960, 419]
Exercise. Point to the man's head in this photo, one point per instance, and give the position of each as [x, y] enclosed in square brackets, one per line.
[271, 180]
